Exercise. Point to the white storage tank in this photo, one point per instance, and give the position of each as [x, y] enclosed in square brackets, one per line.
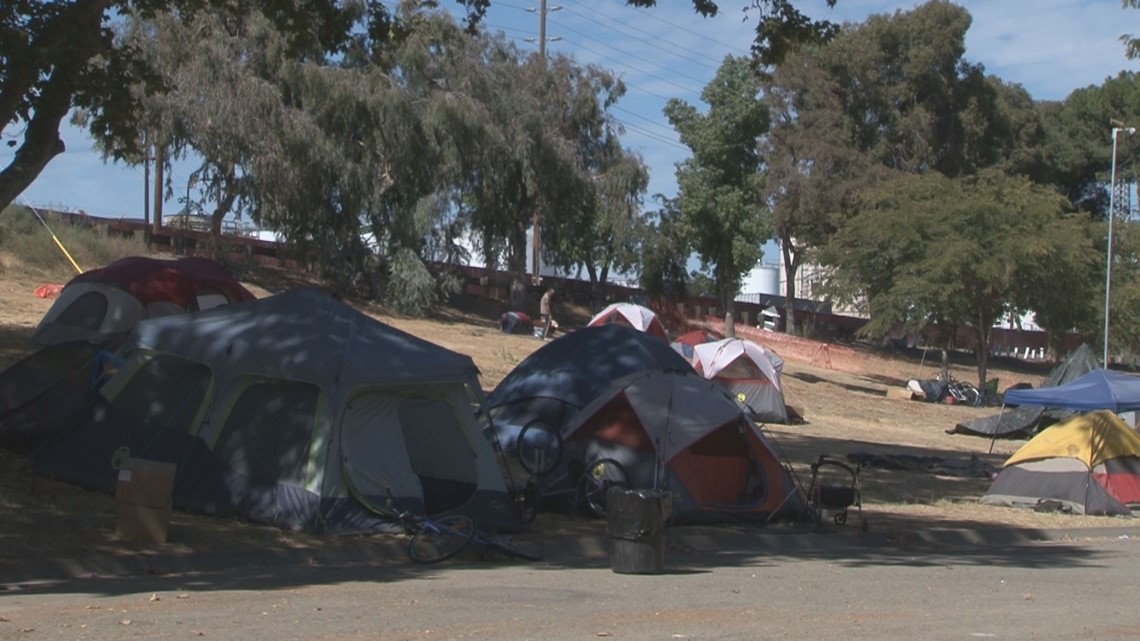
[763, 279]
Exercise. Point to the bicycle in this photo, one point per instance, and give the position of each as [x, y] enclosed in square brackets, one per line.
[585, 482]
[435, 540]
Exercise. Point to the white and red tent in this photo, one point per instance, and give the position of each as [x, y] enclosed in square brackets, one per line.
[104, 304]
[749, 372]
[632, 315]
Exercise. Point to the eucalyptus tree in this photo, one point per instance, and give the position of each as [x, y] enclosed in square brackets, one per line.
[720, 187]
[961, 253]
[221, 102]
[592, 215]
[812, 166]
[57, 56]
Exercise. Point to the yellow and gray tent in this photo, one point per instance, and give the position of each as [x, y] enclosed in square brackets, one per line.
[1090, 464]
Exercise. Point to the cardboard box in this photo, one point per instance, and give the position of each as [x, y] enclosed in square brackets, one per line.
[147, 483]
[141, 523]
[144, 497]
[901, 393]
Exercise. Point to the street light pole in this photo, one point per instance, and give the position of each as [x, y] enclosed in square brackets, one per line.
[536, 276]
[1111, 216]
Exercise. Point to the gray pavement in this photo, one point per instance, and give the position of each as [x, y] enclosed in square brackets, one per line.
[719, 583]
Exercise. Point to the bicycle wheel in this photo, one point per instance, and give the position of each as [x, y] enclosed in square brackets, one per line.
[441, 538]
[599, 477]
[539, 448]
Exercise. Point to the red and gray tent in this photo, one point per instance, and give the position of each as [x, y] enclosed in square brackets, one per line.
[102, 305]
[680, 432]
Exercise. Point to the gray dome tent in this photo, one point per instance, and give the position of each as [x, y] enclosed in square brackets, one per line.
[295, 410]
[566, 374]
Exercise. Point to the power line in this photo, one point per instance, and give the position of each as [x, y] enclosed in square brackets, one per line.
[652, 135]
[641, 71]
[631, 55]
[652, 14]
[653, 42]
[644, 118]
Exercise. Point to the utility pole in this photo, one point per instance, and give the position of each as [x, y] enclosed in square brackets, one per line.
[146, 179]
[536, 276]
[159, 160]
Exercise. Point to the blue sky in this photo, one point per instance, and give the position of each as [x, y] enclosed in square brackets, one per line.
[1051, 47]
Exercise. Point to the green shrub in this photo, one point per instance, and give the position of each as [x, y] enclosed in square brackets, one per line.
[27, 240]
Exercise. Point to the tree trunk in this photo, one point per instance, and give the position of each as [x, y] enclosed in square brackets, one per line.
[516, 265]
[41, 144]
[79, 38]
[729, 312]
[982, 340]
[220, 211]
[791, 267]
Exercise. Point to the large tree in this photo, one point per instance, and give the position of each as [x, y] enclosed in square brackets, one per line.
[811, 163]
[56, 56]
[721, 186]
[591, 218]
[957, 253]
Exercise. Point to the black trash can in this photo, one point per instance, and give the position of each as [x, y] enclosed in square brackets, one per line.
[636, 521]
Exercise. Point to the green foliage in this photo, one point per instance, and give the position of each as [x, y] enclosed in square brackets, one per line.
[721, 185]
[1124, 299]
[60, 56]
[410, 287]
[26, 239]
[664, 255]
[959, 252]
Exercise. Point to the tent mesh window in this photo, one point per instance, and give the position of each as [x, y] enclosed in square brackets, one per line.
[439, 452]
[742, 369]
[209, 298]
[267, 434]
[167, 392]
[87, 311]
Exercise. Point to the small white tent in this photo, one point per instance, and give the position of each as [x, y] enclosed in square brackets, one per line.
[632, 315]
[749, 372]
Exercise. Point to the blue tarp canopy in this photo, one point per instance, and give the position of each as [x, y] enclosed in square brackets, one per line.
[1100, 389]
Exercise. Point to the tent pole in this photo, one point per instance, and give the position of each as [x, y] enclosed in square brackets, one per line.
[993, 437]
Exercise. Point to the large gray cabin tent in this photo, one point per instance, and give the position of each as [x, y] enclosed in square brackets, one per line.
[1025, 420]
[295, 410]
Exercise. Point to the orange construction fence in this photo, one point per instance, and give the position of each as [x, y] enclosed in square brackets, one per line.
[845, 359]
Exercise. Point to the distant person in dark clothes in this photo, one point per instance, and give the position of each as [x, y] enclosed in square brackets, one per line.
[544, 312]
[515, 323]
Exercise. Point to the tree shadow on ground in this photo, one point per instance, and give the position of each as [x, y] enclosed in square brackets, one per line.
[688, 551]
[812, 379]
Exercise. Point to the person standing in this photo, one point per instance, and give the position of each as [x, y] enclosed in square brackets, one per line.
[544, 312]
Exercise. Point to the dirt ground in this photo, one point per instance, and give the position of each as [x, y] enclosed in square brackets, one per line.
[844, 414]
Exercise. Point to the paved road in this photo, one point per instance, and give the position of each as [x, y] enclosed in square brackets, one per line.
[816, 587]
